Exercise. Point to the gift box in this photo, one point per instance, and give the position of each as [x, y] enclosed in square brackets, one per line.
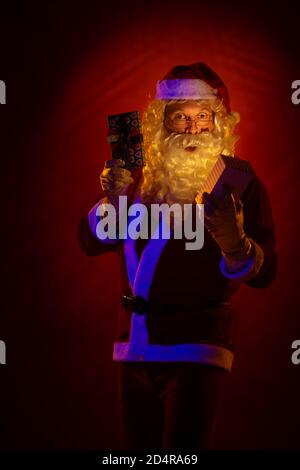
[232, 171]
[126, 139]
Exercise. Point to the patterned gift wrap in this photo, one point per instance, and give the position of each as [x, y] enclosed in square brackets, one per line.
[233, 171]
[126, 139]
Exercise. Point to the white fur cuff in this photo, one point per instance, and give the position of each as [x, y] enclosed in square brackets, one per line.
[184, 88]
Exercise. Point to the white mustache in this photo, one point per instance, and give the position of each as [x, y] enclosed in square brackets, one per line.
[188, 140]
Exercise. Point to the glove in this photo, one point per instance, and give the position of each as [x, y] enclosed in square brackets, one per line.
[224, 220]
[114, 179]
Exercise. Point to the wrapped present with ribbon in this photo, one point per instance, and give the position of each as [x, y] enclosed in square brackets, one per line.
[126, 139]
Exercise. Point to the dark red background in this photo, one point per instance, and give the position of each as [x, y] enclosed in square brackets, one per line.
[66, 68]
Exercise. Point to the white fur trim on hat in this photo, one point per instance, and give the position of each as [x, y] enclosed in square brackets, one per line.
[184, 88]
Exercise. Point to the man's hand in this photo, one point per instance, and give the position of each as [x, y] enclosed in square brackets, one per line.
[114, 179]
[224, 220]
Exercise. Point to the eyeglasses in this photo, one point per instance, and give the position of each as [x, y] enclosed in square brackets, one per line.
[204, 117]
[180, 121]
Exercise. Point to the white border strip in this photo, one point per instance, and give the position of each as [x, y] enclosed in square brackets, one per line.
[197, 352]
[184, 88]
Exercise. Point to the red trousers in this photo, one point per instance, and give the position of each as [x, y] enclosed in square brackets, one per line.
[168, 405]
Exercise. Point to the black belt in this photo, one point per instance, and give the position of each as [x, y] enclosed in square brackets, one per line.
[140, 305]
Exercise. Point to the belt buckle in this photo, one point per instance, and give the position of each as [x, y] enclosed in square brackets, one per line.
[136, 304]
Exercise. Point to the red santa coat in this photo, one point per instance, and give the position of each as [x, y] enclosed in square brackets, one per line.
[189, 315]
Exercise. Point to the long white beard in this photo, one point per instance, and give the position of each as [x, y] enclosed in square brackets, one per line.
[179, 173]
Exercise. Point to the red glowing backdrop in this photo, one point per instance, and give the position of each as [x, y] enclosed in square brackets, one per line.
[66, 70]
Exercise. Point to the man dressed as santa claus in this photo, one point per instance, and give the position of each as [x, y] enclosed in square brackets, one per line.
[176, 325]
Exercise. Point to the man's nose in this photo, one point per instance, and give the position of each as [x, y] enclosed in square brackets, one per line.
[192, 128]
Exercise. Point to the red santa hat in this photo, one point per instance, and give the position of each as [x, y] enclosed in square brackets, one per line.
[195, 81]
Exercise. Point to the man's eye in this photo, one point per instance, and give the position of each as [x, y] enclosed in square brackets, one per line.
[203, 116]
[179, 116]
